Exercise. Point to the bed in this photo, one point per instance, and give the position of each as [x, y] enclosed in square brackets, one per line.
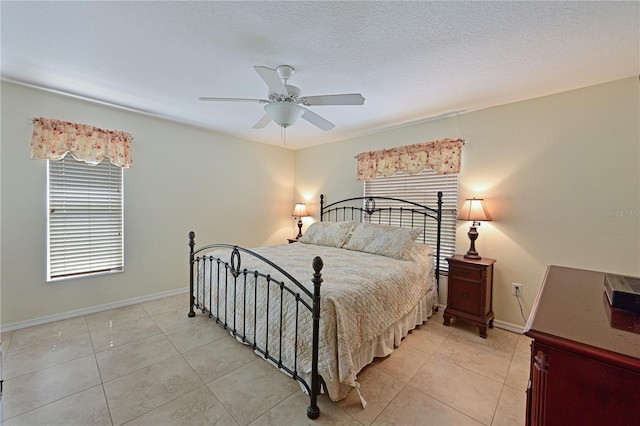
[323, 308]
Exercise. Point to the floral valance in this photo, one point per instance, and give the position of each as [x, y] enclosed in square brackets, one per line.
[442, 155]
[52, 139]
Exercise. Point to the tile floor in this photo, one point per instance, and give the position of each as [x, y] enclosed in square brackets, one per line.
[148, 364]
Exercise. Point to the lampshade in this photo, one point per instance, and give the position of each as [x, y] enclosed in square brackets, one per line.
[474, 210]
[300, 210]
[284, 113]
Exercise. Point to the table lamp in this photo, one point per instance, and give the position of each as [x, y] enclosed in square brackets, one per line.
[299, 211]
[473, 210]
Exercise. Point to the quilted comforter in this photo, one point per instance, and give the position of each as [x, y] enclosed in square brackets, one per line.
[362, 295]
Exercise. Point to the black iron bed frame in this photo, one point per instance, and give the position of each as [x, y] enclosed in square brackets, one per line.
[232, 276]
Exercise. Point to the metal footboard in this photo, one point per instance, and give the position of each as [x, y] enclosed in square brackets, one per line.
[229, 294]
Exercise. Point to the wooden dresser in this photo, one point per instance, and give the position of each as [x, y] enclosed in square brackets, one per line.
[583, 371]
[470, 291]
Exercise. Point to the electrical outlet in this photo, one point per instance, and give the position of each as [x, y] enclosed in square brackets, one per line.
[516, 289]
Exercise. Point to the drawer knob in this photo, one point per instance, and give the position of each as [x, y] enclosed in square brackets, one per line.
[465, 295]
[466, 272]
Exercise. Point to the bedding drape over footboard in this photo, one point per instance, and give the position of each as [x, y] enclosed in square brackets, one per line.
[365, 297]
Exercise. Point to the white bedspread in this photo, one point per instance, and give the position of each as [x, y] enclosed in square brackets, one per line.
[362, 295]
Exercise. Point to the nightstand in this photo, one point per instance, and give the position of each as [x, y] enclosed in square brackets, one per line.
[292, 240]
[470, 289]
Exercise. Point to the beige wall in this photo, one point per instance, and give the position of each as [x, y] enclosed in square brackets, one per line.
[183, 179]
[560, 175]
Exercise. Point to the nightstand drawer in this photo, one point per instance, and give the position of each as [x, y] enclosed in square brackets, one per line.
[466, 272]
[465, 296]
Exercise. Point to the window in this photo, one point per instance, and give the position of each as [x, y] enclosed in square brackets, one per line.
[422, 188]
[85, 220]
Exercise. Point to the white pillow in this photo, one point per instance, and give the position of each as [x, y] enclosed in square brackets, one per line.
[385, 240]
[332, 234]
[416, 251]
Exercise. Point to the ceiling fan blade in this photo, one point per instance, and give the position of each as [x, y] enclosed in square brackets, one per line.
[271, 77]
[316, 120]
[266, 119]
[207, 98]
[346, 99]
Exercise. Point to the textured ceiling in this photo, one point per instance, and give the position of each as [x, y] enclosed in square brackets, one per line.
[410, 60]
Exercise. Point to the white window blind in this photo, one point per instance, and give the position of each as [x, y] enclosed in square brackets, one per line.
[85, 220]
[422, 188]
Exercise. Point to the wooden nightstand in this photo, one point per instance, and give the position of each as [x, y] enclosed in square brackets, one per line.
[292, 240]
[470, 292]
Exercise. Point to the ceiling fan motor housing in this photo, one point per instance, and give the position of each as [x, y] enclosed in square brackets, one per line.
[293, 90]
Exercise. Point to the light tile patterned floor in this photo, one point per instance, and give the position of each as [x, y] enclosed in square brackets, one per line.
[148, 364]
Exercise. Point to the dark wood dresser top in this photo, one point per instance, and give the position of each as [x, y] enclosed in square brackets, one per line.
[570, 305]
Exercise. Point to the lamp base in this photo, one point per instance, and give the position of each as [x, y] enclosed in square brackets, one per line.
[473, 236]
[299, 229]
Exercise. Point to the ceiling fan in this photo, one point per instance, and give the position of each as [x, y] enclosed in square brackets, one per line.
[285, 105]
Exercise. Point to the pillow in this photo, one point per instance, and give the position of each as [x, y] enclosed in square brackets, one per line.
[416, 251]
[385, 240]
[331, 234]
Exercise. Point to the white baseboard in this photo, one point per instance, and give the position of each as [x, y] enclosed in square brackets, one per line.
[92, 310]
[514, 328]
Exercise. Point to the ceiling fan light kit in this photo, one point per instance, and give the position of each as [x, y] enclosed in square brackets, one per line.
[284, 114]
[284, 104]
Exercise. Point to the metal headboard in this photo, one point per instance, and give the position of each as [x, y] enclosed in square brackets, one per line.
[402, 213]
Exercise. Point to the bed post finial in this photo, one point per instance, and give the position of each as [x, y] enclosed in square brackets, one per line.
[318, 264]
[313, 411]
[192, 243]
